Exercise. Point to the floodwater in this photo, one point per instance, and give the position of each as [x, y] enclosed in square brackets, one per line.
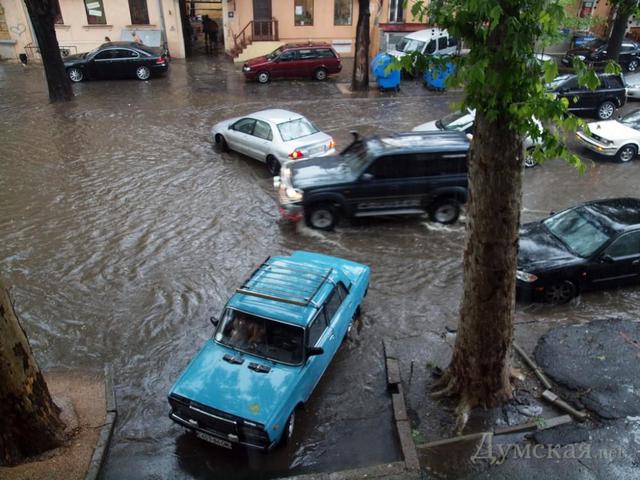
[122, 231]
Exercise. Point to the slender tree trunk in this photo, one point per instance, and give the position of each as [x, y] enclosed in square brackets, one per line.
[42, 14]
[360, 78]
[623, 11]
[29, 420]
[479, 371]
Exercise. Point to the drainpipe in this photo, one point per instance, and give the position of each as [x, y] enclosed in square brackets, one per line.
[164, 27]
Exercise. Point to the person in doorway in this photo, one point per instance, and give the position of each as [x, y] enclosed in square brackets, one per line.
[107, 39]
[136, 37]
[206, 29]
[213, 35]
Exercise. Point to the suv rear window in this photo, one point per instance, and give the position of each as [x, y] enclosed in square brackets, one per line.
[613, 82]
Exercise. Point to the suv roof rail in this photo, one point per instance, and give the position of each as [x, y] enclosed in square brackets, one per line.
[269, 282]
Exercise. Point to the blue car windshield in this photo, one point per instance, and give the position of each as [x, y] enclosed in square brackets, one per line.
[259, 336]
[578, 231]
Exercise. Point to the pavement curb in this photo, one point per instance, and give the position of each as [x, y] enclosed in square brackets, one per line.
[403, 425]
[102, 446]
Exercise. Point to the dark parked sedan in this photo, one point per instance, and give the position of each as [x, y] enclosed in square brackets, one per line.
[594, 53]
[117, 60]
[590, 246]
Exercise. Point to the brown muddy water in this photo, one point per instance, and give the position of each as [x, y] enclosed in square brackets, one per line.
[122, 231]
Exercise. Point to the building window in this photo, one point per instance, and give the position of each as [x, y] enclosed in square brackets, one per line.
[4, 28]
[95, 12]
[303, 12]
[57, 19]
[396, 11]
[342, 11]
[139, 13]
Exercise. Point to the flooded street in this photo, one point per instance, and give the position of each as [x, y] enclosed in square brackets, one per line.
[122, 231]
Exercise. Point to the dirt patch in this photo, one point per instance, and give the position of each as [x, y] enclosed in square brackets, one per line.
[81, 397]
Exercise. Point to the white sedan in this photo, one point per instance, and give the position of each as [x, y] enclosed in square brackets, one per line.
[273, 136]
[614, 138]
[462, 121]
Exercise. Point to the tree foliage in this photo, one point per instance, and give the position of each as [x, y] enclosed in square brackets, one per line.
[516, 90]
[505, 83]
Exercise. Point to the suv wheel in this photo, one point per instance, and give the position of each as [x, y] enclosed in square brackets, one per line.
[320, 74]
[444, 210]
[561, 292]
[273, 165]
[529, 160]
[627, 153]
[633, 65]
[263, 77]
[606, 109]
[322, 216]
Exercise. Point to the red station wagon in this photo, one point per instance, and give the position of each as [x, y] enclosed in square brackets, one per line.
[315, 60]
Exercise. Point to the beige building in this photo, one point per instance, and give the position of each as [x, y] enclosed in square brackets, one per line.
[247, 27]
[255, 27]
[82, 25]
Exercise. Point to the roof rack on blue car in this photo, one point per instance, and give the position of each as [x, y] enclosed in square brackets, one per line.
[286, 281]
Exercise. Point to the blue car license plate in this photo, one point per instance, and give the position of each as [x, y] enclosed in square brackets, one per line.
[215, 440]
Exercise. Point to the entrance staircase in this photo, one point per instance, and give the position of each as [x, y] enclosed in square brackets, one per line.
[257, 38]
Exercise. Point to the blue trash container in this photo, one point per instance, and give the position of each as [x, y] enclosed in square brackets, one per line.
[385, 81]
[434, 78]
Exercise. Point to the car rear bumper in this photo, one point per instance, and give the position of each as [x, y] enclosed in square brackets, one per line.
[594, 145]
[160, 68]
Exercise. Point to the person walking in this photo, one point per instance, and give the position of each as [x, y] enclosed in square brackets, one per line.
[213, 34]
[206, 29]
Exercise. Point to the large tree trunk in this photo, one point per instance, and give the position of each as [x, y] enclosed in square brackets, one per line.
[360, 78]
[623, 11]
[29, 420]
[479, 371]
[42, 14]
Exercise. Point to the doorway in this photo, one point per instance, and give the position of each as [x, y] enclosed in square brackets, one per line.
[262, 20]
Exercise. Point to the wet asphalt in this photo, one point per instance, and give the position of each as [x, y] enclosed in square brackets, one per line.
[123, 230]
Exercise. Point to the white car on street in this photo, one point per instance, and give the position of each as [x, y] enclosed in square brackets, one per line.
[614, 138]
[273, 136]
[632, 83]
[462, 121]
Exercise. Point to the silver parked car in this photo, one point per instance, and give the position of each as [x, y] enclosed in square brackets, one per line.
[462, 121]
[273, 136]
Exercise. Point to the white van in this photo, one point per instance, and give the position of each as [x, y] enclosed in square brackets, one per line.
[432, 41]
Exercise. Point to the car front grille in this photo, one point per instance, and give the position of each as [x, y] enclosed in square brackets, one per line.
[217, 421]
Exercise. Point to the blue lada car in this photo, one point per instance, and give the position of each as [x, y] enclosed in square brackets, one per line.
[275, 338]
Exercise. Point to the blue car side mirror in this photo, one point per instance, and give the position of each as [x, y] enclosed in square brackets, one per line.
[214, 321]
[314, 351]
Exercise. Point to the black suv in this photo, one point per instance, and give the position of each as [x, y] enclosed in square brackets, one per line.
[408, 173]
[594, 53]
[602, 101]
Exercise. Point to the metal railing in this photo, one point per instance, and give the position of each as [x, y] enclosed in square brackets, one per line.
[256, 31]
[33, 51]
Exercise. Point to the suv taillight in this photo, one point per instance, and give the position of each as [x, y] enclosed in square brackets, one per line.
[160, 60]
